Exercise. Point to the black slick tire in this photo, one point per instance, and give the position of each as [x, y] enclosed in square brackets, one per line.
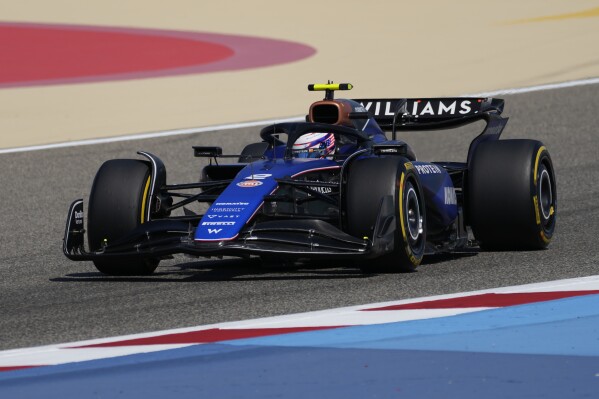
[512, 198]
[368, 181]
[118, 204]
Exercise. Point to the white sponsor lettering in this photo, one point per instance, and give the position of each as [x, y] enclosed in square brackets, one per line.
[214, 231]
[225, 210]
[223, 216]
[415, 107]
[450, 197]
[322, 190]
[428, 108]
[450, 109]
[231, 203]
[79, 217]
[258, 176]
[218, 223]
[427, 169]
[388, 111]
[465, 105]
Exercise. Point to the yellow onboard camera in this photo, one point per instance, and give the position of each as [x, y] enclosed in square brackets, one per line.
[329, 88]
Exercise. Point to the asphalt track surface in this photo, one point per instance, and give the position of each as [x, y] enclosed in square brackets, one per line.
[45, 298]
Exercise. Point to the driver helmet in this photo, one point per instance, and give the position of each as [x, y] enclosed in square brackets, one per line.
[314, 145]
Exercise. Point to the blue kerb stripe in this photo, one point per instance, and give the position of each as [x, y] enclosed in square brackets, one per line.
[238, 369]
[215, 371]
[562, 327]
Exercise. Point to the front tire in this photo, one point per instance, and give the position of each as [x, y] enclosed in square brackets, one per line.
[512, 196]
[369, 181]
[118, 203]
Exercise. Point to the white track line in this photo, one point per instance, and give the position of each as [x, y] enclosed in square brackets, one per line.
[152, 135]
[352, 315]
[180, 132]
[551, 86]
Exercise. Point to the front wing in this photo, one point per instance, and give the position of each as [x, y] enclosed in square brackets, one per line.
[300, 238]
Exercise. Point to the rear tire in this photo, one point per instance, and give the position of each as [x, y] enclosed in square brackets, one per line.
[118, 204]
[369, 181]
[512, 196]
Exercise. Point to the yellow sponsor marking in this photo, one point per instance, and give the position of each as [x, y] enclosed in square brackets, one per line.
[537, 164]
[408, 165]
[145, 197]
[415, 261]
[544, 237]
[590, 13]
[401, 221]
[536, 202]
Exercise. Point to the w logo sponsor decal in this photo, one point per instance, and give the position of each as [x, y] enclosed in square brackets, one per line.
[214, 231]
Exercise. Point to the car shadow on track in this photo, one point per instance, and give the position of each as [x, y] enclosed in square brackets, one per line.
[441, 258]
[227, 270]
[250, 270]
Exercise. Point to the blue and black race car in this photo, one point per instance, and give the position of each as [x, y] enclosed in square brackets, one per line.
[335, 186]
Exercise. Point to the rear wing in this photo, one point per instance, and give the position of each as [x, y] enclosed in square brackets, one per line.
[429, 113]
[438, 113]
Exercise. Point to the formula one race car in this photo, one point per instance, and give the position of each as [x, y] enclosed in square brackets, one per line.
[334, 187]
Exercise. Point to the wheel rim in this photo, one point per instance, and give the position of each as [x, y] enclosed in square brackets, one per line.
[412, 212]
[545, 194]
